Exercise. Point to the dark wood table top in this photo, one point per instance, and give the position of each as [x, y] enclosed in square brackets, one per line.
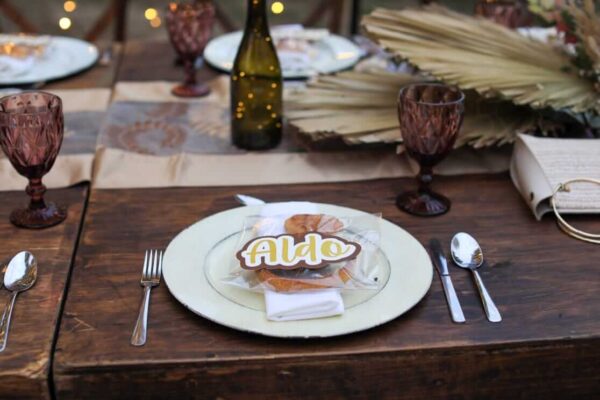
[545, 284]
[25, 364]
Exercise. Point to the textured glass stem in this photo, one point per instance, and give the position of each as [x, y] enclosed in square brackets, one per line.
[424, 178]
[36, 191]
[190, 71]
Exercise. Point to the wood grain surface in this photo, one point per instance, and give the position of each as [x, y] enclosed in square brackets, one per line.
[25, 364]
[545, 284]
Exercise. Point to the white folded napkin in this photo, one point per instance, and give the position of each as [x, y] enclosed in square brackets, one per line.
[299, 32]
[295, 47]
[308, 305]
[293, 60]
[274, 216]
[11, 67]
[296, 306]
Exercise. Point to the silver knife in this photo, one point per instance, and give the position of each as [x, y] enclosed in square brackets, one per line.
[439, 260]
[248, 200]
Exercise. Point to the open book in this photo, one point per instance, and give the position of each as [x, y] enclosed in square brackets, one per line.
[539, 165]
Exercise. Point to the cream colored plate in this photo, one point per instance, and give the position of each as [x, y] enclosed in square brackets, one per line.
[199, 256]
[65, 56]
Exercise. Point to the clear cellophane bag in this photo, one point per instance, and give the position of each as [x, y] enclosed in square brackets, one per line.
[359, 273]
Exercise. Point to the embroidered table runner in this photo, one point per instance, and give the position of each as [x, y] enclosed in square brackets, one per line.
[153, 139]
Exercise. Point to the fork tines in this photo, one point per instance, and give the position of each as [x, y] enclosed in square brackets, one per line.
[152, 266]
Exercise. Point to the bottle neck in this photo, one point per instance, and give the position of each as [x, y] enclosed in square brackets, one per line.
[257, 15]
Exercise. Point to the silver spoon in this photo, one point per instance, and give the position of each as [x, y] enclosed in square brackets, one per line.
[467, 254]
[19, 276]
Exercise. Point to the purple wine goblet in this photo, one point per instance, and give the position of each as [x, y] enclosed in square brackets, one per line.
[31, 133]
[190, 27]
[512, 14]
[430, 117]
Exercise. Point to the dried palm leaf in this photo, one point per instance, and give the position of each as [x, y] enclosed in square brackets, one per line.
[478, 54]
[360, 107]
[587, 28]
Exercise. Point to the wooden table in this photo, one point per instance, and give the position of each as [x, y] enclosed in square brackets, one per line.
[25, 365]
[546, 286]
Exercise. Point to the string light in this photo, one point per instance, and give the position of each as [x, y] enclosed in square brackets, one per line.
[64, 23]
[277, 7]
[150, 14]
[155, 22]
[70, 6]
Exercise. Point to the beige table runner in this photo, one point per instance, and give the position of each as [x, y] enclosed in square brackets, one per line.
[84, 111]
[153, 139]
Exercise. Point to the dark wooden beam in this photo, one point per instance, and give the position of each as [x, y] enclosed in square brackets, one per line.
[117, 11]
[318, 12]
[13, 14]
[120, 20]
[355, 16]
[224, 20]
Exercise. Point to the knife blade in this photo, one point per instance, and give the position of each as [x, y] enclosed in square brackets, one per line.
[248, 200]
[441, 264]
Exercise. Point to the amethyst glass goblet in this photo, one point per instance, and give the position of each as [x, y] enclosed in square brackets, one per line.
[430, 117]
[31, 133]
[190, 27]
[512, 14]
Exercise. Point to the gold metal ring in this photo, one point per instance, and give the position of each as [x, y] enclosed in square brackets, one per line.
[564, 225]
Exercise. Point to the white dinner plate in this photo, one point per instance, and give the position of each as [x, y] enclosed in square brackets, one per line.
[200, 256]
[65, 56]
[334, 53]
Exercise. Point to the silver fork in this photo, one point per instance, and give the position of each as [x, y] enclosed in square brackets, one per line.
[150, 278]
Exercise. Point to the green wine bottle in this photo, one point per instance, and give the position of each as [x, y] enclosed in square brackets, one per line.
[256, 85]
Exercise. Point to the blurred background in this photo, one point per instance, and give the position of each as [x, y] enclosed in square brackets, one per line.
[136, 19]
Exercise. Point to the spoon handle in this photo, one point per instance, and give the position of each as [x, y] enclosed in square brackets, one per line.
[491, 311]
[5, 322]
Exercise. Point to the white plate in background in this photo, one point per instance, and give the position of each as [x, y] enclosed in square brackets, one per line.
[333, 53]
[64, 56]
